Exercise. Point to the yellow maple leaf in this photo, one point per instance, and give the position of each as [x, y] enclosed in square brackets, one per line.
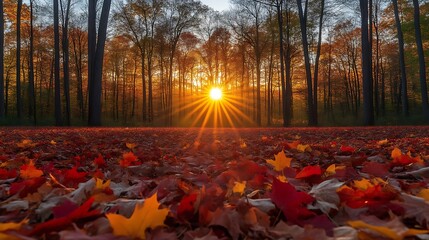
[282, 178]
[11, 226]
[424, 193]
[29, 171]
[26, 143]
[363, 184]
[386, 231]
[239, 187]
[382, 142]
[303, 148]
[280, 162]
[330, 170]
[99, 185]
[146, 215]
[130, 146]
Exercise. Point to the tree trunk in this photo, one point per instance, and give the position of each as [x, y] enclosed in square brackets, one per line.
[31, 93]
[404, 95]
[144, 93]
[422, 65]
[18, 60]
[58, 117]
[285, 114]
[66, 71]
[303, 24]
[95, 55]
[2, 100]
[368, 107]
[77, 49]
[316, 64]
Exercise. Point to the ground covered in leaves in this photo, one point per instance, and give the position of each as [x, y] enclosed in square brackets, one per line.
[136, 183]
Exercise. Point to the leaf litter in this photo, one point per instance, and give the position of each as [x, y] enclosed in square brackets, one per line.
[144, 183]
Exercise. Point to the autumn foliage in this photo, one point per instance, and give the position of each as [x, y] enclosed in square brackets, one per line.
[186, 184]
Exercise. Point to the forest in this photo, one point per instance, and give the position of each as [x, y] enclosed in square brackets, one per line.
[153, 63]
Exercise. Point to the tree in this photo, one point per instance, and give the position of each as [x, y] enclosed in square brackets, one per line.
[65, 46]
[253, 35]
[58, 117]
[404, 96]
[96, 43]
[422, 65]
[18, 60]
[368, 107]
[31, 92]
[182, 15]
[2, 103]
[285, 97]
[312, 118]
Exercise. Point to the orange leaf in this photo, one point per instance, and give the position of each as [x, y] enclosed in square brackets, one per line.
[26, 143]
[30, 171]
[128, 159]
[404, 159]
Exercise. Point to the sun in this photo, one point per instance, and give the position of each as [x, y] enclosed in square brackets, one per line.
[215, 94]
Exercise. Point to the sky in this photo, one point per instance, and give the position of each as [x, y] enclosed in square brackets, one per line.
[219, 5]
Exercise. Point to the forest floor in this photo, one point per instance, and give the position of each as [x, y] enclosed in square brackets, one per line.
[188, 183]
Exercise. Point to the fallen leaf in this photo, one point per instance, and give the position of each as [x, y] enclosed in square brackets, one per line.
[309, 171]
[60, 223]
[280, 162]
[347, 149]
[239, 187]
[28, 186]
[146, 215]
[11, 226]
[424, 193]
[326, 195]
[416, 208]
[99, 161]
[130, 146]
[7, 174]
[29, 171]
[128, 159]
[303, 148]
[382, 142]
[393, 229]
[26, 143]
[292, 202]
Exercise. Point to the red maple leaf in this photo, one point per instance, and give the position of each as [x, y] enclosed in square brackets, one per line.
[292, 202]
[186, 209]
[99, 161]
[7, 174]
[57, 224]
[26, 187]
[347, 149]
[72, 177]
[309, 171]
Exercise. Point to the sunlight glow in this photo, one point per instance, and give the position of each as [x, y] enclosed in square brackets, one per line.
[216, 94]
